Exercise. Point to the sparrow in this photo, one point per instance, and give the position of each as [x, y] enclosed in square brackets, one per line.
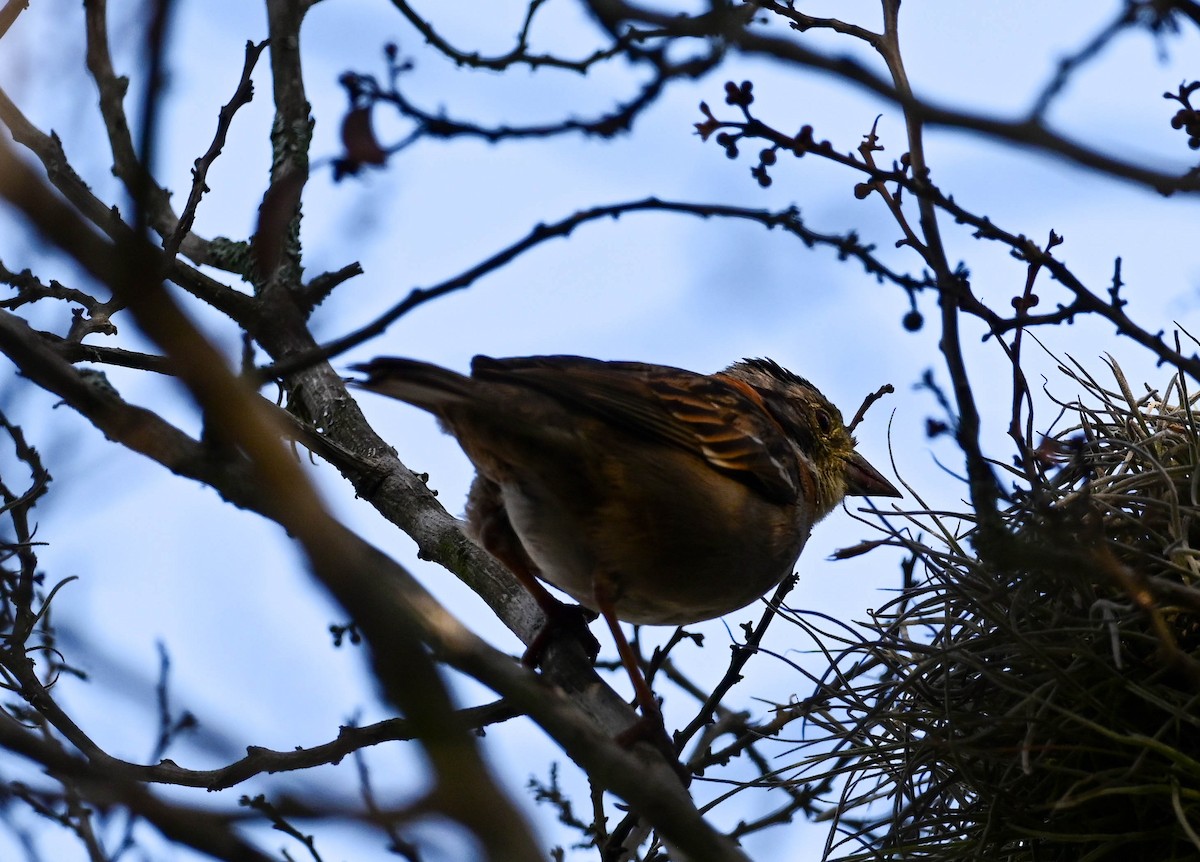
[647, 493]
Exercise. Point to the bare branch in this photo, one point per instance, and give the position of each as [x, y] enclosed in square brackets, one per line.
[1069, 65]
[241, 96]
[1028, 132]
[198, 828]
[292, 131]
[518, 55]
[50, 153]
[8, 15]
[788, 220]
[365, 88]
[126, 164]
[391, 609]
[319, 289]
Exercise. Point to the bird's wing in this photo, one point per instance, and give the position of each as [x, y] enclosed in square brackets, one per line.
[718, 419]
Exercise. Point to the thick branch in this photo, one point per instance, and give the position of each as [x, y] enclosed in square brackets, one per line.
[392, 610]
[9, 14]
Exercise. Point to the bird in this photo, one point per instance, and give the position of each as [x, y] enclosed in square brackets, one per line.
[649, 494]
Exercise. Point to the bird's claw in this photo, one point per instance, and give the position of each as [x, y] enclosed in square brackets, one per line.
[562, 619]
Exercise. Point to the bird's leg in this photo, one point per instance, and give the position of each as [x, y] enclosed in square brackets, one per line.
[650, 727]
[495, 532]
[560, 617]
[641, 689]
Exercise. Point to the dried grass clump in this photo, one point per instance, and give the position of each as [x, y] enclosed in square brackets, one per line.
[1042, 703]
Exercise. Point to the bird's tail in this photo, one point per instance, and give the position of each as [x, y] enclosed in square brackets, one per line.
[423, 384]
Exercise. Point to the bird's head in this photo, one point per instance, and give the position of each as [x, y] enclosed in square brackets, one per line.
[818, 432]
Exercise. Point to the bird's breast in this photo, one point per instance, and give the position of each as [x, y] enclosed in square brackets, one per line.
[679, 541]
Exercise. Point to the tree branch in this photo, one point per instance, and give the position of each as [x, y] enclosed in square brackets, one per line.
[1028, 132]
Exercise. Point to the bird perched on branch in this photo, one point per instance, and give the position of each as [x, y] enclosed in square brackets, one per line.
[647, 493]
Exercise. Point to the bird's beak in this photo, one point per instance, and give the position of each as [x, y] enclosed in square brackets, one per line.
[863, 480]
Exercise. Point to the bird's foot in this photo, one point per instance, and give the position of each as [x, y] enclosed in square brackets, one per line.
[562, 620]
[650, 728]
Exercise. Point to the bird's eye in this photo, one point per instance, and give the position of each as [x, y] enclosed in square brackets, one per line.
[824, 422]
